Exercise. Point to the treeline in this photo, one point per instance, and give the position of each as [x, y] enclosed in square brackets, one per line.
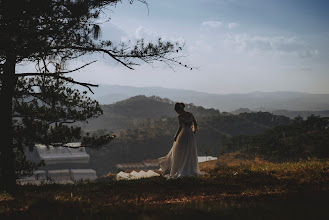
[301, 139]
[244, 123]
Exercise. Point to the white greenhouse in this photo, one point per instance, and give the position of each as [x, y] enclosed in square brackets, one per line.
[206, 158]
[64, 164]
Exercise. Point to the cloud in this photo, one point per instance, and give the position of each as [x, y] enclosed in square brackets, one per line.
[112, 31]
[232, 25]
[142, 32]
[212, 24]
[276, 44]
[306, 69]
[149, 35]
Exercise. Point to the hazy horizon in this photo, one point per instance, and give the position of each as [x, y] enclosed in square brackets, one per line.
[100, 85]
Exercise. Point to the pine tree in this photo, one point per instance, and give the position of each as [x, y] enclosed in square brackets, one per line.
[37, 107]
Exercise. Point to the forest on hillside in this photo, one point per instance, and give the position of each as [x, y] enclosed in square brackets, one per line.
[302, 139]
[151, 124]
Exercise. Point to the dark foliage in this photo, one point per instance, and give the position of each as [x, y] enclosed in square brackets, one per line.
[302, 139]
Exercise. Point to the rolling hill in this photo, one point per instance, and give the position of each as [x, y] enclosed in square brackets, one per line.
[135, 111]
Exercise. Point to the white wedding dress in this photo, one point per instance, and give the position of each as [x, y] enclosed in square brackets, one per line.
[182, 159]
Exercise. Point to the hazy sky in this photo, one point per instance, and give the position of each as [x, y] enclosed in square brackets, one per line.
[239, 45]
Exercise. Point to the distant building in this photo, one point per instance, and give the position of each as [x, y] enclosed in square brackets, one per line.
[64, 164]
[206, 158]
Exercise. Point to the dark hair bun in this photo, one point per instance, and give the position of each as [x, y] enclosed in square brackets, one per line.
[179, 106]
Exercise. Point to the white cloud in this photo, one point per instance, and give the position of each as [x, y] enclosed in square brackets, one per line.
[142, 32]
[212, 24]
[113, 32]
[232, 25]
[277, 44]
[150, 35]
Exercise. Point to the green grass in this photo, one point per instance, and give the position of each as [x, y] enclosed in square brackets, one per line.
[258, 191]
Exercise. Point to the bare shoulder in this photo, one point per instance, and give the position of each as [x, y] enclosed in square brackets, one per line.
[185, 115]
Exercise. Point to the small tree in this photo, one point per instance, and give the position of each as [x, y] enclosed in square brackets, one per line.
[38, 106]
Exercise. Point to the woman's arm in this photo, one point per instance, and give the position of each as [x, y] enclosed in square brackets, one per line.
[179, 128]
[196, 128]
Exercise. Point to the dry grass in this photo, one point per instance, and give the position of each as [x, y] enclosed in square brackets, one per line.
[243, 191]
[231, 159]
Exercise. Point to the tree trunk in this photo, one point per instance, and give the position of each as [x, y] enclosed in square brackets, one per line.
[7, 155]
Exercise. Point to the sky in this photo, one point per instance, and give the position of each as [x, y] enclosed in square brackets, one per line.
[239, 46]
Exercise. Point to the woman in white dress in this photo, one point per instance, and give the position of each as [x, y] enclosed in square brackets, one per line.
[182, 159]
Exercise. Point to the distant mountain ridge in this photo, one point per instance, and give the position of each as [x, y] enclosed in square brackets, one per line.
[255, 101]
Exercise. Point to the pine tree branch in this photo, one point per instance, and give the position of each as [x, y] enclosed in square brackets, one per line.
[95, 49]
[64, 72]
[57, 76]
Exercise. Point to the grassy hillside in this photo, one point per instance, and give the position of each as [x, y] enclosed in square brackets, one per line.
[237, 158]
[258, 191]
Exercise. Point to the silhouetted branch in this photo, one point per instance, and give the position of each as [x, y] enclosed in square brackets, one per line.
[68, 79]
[111, 53]
[64, 72]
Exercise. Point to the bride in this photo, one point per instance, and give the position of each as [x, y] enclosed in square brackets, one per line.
[182, 159]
